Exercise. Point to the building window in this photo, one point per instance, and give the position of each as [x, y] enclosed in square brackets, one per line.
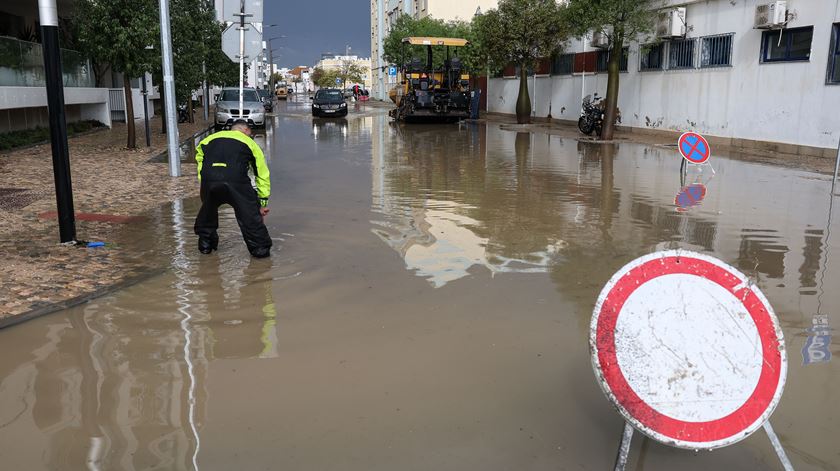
[563, 64]
[650, 56]
[787, 45]
[681, 54]
[716, 51]
[834, 55]
[603, 59]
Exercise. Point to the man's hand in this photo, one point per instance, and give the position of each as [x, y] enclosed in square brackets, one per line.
[264, 212]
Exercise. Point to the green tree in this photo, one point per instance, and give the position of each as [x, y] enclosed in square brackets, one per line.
[521, 32]
[118, 32]
[325, 78]
[621, 21]
[405, 26]
[349, 71]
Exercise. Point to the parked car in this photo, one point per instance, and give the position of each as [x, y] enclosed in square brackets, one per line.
[267, 100]
[328, 102]
[227, 108]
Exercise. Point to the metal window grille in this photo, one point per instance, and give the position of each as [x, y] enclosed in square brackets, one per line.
[650, 56]
[563, 64]
[681, 54]
[716, 51]
[602, 60]
[834, 57]
[116, 99]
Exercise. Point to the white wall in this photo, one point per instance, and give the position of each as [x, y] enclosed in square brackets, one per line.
[779, 102]
[92, 102]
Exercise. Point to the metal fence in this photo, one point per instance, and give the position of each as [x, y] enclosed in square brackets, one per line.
[116, 100]
[564, 64]
[22, 65]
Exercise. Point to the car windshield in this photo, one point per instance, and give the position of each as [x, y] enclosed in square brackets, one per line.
[263, 93]
[233, 95]
[329, 95]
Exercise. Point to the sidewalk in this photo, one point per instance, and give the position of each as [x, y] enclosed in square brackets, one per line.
[568, 129]
[110, 184]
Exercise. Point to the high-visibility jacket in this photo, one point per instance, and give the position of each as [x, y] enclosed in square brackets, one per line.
[227, 156]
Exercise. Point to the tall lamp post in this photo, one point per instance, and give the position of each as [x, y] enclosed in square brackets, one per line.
[48, 16]
[271, 58]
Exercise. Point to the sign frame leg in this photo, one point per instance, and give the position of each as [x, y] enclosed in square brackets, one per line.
[624, 447]
[777, 445]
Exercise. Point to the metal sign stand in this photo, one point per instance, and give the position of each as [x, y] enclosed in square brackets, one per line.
[242, 29]
[627, 436]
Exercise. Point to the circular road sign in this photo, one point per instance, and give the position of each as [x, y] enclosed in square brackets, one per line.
[694, 147]
[688, 350]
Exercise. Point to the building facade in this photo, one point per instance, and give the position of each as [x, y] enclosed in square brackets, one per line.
[724, 77]
[383, 13]
[336, 62]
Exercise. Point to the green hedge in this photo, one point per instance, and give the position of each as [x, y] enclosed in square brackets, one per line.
[25, 137]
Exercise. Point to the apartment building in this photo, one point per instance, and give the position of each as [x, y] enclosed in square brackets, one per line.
[332, 61]
[747, 73]
[383, 13]
[23, 94]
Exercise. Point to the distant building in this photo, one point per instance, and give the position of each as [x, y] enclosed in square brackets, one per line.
[383, 13]
[333, 62]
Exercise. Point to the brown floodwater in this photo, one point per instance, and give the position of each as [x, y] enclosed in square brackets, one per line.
[426, 307]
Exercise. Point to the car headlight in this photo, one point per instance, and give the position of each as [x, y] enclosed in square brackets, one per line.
[342, 105]
[316, 105]
[257, 110]
[222, 110]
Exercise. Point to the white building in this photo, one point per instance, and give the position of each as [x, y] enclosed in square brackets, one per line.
[383, 13]
[335, 62]
[724, 77]
[23, 93]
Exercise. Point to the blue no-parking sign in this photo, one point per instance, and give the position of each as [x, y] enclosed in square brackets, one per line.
[694, 147]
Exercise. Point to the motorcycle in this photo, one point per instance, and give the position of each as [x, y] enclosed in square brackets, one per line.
[592, 118]
[183, 113]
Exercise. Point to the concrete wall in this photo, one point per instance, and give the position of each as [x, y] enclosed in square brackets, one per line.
[26, 107]
[778, 102]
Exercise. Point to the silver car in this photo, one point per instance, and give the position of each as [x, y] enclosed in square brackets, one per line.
[227, 108]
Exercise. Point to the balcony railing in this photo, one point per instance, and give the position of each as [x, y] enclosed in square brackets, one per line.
[22, 65]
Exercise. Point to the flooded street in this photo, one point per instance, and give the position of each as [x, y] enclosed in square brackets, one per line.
[426, 307]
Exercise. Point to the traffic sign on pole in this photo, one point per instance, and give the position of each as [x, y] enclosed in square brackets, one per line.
[392, 71]
[231, 10]
[252, 46]
[688, 350]
[694, 147]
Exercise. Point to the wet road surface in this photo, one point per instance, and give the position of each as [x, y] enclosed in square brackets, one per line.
[427, 306]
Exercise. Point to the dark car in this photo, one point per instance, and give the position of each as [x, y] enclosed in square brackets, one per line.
[329, 102]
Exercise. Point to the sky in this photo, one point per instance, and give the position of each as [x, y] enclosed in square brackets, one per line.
[313, 27]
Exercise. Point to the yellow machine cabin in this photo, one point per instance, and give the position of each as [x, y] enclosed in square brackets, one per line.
[427, 92]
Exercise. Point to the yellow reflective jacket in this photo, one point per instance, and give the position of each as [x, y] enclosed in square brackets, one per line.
[227, 156]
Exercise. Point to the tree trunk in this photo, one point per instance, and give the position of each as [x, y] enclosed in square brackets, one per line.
[129, 113]
[523, 101]
[190, 109]
[610, 113]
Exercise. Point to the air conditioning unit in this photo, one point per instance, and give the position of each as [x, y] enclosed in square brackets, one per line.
[671, 23]
[600, 40]
[770, 15]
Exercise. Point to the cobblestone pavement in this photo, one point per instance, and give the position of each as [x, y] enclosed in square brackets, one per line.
[108, 179]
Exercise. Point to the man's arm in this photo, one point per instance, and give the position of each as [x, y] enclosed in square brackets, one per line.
[261, 173]
[199, 157]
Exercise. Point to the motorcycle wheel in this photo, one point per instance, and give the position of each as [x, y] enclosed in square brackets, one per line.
[585, 125]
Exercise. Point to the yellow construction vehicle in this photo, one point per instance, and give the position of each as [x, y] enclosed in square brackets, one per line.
[428, 93]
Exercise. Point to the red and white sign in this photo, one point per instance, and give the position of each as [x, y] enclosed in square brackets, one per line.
[688, 350]
[694, 147]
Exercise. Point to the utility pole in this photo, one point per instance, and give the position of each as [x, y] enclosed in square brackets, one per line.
[48, 15]
[145, 93]
[169, 92]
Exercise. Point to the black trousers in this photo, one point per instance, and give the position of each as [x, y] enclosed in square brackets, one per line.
[243, 198]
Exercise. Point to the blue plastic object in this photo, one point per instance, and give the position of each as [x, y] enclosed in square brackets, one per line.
[96, 244]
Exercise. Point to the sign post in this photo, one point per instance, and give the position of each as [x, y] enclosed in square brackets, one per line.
[689, 351]
[238, 10]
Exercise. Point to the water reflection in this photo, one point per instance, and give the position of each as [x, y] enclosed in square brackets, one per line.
[123, 385]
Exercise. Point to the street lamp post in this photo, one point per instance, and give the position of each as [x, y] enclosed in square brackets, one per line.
[169, 92]
[48, 16]
[271, 58]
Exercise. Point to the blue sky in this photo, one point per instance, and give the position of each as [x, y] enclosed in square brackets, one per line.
[316, 26]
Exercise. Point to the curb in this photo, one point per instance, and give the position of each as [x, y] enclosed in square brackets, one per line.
[78, 300]
[162, 156]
